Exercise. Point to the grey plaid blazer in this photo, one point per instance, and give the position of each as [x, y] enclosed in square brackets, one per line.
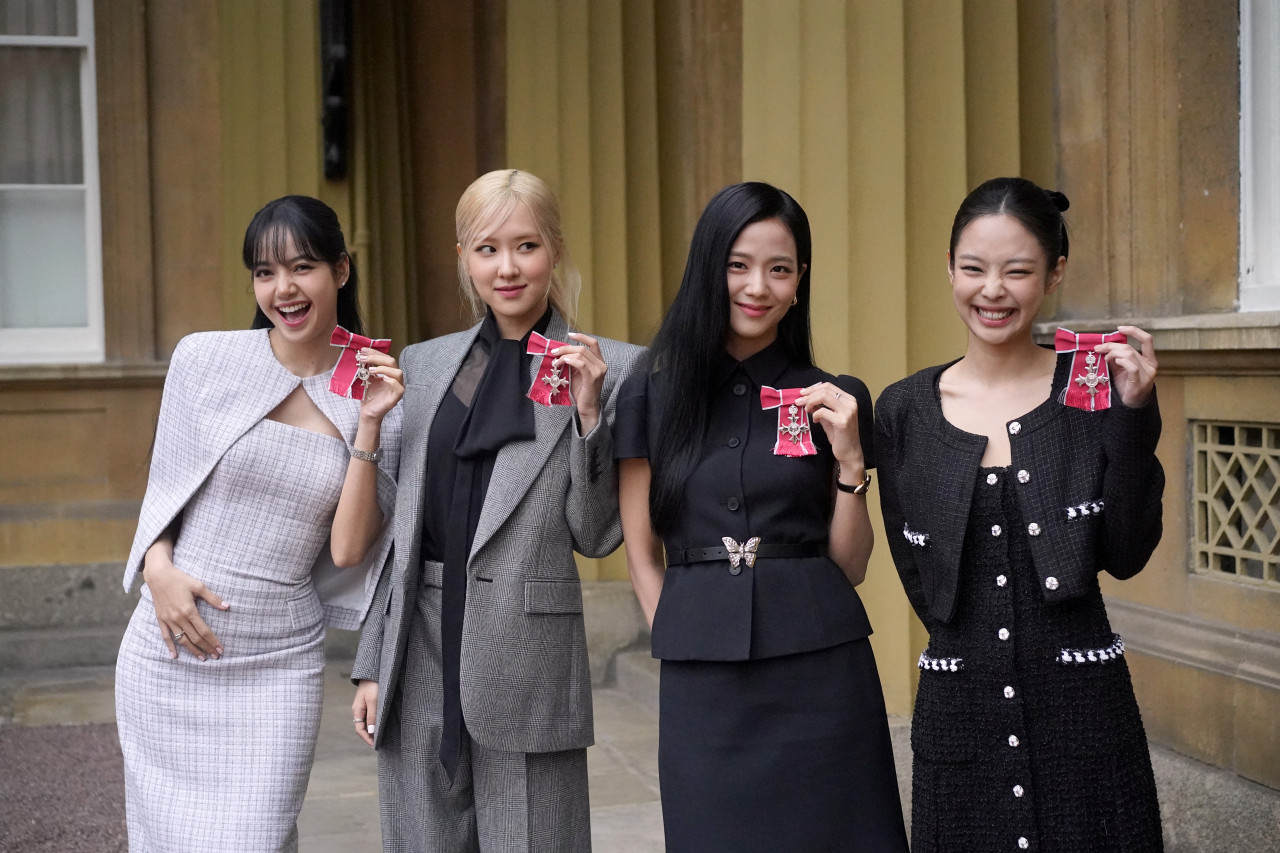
[526, 684]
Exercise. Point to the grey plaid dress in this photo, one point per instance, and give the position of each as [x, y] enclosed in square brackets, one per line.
[217, 754]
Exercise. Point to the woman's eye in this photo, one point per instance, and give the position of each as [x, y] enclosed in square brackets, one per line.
[261, 272]
[528, 246]
[971, 270]
[1019, 272]
[485, 250]
[737, 265]
[781, 270]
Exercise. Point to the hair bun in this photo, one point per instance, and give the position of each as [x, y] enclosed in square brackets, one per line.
[1059, 200]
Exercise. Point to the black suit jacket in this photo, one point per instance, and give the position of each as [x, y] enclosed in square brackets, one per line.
[1089, 486]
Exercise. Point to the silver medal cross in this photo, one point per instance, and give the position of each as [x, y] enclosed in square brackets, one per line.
[1091, 379]
[362, 371]
[793, 429]
[555, 380]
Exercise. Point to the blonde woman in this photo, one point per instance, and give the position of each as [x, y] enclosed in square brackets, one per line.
[472, 669]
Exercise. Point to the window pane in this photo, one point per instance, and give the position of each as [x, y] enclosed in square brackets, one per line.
[40, 135]
[38, 17]
[43, 273]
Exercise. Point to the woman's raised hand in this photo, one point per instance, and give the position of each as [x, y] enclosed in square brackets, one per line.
[588, 376]
[386, 383]
[1133, 368]
[837, 411]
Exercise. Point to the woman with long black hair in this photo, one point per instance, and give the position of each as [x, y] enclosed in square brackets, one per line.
[749, 466]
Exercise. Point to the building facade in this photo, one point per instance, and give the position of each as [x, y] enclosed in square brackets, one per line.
[878, 115]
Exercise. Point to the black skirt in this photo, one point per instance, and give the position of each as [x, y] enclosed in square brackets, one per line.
[781, 754]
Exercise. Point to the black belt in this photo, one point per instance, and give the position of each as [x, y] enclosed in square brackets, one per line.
[720, 552]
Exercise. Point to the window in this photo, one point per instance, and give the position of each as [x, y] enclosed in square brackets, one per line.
[50, 230]
[1259, 155]
[1237, 501]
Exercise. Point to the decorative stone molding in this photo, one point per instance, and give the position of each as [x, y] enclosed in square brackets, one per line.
[1251, 656]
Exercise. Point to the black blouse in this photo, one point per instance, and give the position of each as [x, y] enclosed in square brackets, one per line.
[741, 489]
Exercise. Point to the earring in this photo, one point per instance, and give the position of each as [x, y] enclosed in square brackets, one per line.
[795, 299]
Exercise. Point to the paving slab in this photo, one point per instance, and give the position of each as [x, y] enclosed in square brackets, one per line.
[61, 779]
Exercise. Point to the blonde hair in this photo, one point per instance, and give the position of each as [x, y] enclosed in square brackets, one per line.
[486, 203]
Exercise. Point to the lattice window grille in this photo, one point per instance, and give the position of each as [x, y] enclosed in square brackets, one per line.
[1237, 501]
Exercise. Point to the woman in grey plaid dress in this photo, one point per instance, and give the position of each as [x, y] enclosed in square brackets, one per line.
[263, 484]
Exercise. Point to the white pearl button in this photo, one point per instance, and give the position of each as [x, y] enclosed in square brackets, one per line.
[995, 530]
[1009, 692]
[1033, 529]
[1015, 428]
[1024, 476]
[1013, 740]
[992, 479]
[1023, 843]
[1051, 583]
[1017, 790]
[1001, 580]
[1003, 633]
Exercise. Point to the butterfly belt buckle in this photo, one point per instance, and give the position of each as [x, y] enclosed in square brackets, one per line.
[740, 553]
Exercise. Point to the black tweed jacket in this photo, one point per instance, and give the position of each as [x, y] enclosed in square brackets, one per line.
[1089, 486]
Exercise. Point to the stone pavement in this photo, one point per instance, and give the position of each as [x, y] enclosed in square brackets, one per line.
[340, 814]
[61, 790]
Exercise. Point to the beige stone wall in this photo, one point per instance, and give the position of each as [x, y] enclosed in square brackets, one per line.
[1148, 150]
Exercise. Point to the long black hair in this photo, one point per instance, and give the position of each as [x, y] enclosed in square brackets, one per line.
[693, 333]
[1039, 210]
[317, 236]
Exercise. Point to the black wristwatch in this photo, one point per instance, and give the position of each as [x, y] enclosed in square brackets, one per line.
[860, 489]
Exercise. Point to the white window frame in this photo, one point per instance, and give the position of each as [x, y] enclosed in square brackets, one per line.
[1259, 155]
[84, 343]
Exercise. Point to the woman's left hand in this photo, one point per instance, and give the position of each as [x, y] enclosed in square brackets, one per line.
[1133, 368]
[837, 411]
[386, 384]
[588, 376]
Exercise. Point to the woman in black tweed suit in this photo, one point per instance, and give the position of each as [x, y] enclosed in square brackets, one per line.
[1002, 503]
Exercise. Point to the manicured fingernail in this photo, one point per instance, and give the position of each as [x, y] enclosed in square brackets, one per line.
[371, 729]
[200, 658]
[219, 651]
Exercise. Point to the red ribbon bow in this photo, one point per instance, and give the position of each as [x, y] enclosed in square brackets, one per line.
[1089, 386]
[350, 377]
[551, 385]
[794, 434]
